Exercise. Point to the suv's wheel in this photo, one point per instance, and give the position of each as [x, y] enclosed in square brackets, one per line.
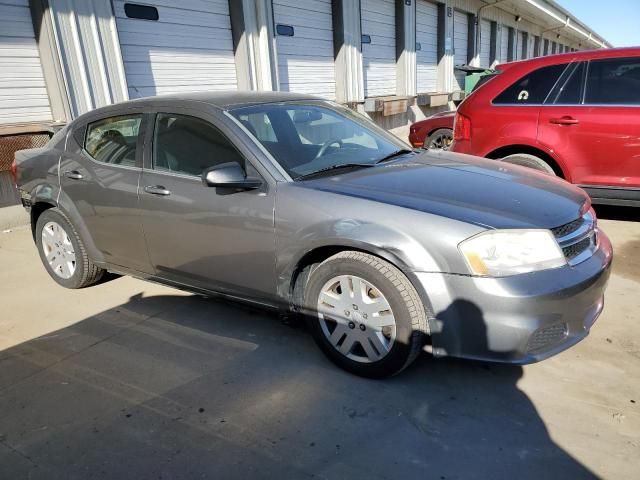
[528, 160]
[364, 314]
[441, 139]
[62, 251]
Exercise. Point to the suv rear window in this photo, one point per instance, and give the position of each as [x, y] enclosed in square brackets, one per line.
[531, 89]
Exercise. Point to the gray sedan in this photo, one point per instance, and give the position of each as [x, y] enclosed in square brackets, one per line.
[300, 204]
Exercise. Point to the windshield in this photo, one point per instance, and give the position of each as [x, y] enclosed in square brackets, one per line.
[308, 137]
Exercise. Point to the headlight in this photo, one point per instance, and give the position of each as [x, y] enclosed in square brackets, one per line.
[499, 253]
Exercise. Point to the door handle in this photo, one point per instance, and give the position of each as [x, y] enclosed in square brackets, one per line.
[157, 190]
[564, 121]
[73, 175]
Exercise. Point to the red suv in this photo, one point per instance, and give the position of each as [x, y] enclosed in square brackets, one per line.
[576, 115]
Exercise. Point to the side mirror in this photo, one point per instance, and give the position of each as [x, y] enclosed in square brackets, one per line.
[229, 175]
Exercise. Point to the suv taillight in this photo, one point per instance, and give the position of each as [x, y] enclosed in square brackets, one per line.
[14, 172]
[461, 127]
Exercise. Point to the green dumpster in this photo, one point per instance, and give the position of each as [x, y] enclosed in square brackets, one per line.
[473, 76]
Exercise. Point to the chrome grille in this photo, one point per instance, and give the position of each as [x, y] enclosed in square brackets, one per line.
[546, 337]
[572, 251]
[568, 228]
[578, 239]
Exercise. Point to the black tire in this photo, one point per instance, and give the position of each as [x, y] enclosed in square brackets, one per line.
[86, 272]
[407, 308]
[530, 161]
[441, 139]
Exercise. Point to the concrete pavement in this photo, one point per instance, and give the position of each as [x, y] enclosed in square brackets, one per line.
[129, 379]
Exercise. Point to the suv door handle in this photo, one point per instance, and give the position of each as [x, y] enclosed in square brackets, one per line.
[157, 190]
[564, 121]
[73, 175]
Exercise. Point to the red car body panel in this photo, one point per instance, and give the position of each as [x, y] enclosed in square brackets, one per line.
[419, 131]
[593, 145]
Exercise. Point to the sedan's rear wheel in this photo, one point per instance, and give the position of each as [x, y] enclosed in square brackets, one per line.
[364, 314]
[441, 139]
[62, 252]
[530, 161]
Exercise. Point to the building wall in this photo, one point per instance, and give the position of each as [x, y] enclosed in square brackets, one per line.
[105, 55]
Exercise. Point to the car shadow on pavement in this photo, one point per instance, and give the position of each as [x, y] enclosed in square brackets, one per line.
[189, 387]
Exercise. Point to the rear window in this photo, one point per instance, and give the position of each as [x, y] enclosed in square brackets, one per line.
[533, 88]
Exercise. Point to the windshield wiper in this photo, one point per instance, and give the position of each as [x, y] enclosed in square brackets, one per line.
[397, 153]
[338, 166]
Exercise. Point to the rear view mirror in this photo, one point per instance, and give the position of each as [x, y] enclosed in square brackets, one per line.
[229, 175]
[306, 116]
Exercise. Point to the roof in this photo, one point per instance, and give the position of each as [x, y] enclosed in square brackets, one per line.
[580, 55]
[227, 99]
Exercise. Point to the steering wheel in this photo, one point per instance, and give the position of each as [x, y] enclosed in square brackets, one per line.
[326, 145]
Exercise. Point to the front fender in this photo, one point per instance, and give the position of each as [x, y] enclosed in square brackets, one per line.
[392, 245]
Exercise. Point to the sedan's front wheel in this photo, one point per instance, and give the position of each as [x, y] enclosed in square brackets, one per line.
[365, 314]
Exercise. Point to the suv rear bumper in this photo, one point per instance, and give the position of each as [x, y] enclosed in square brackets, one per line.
[519, 319]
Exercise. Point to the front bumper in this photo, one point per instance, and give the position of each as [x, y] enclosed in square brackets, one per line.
[518, 319]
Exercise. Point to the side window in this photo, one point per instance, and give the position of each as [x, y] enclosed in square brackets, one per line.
[533, 88]
[571, 91]
[189, 145]
[114, 140]
[613, 81]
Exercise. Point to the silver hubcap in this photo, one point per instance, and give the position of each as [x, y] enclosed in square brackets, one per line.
[58, 250]
[356, 318]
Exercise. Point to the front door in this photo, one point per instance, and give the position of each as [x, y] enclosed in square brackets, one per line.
[199, 235]
[595, 129]
[99, 173]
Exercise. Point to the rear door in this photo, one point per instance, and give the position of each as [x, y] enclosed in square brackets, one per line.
[99, 173]
[593, 123]
[201, 236]
[514, 112]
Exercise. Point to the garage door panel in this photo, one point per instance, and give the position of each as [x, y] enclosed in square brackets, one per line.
[485, 44]
[320, 49]
[180, 16]
[177, 42]
[379, 56]
[427, 56]
[189, 48]
[460, 45]
[306, 60]
[504, 44]
[23, 96]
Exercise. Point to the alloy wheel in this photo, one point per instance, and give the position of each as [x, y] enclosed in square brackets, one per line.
[441, 142]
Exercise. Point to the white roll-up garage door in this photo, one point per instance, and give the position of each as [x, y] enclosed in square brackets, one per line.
[504, 45]
[485, 43]
[305, 59]
[519, 45]
[427, 37]
[189, 47]
[23, 94]
[460, 45]
[378, 20]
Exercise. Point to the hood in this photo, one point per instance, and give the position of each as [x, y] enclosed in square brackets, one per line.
[470, 189]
